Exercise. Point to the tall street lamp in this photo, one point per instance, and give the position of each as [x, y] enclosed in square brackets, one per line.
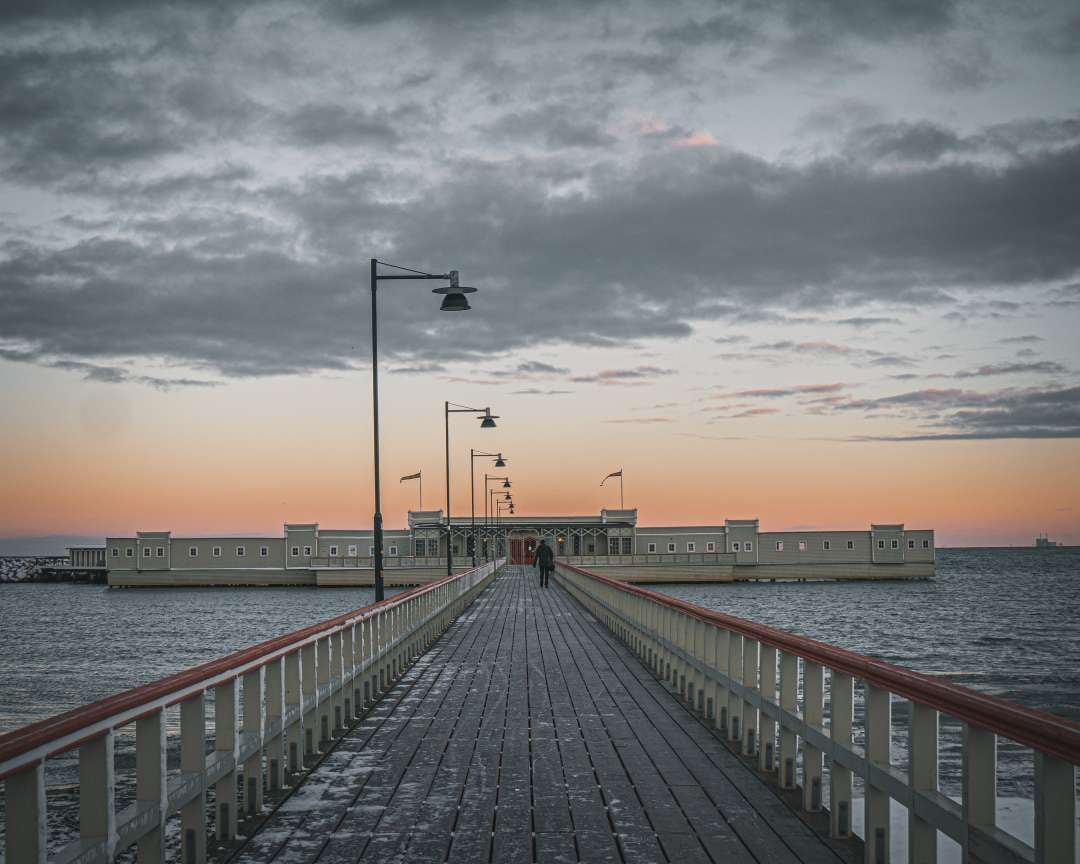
[499, 463]
[487, 421]
[454, 300]
[487, 495]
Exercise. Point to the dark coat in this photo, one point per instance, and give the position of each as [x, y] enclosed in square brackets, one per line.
[545, 558]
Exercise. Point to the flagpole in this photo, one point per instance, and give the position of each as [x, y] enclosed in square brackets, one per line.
[622, 503]
[421, 479]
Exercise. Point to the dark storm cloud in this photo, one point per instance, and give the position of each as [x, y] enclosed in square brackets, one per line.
[554, 125]
[1049, 412]
[324, 123]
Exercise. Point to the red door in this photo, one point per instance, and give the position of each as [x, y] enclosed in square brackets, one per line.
[517, 551]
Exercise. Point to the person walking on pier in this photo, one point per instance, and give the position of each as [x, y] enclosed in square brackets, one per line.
[544, 561]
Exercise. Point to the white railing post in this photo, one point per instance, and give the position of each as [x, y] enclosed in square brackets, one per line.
[348, 673]
[97, 793]
[151, 783]
[767, 743]
[842, 695]
[24, 798]
[789, 741]
[813, 697]
[337, 682]
[275, 715]
[310, 687]
[876, 801]
[253, 734]
[922, 777]
[750, 681]
[1055, 810]
[710, 666]
[735, 673]
[226, 709]
[294, 734]
[979, 782]
[193, 761]
[723, 693]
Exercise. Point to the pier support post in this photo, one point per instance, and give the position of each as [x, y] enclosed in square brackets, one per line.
[767, 741]
[813, 696]
[876, 801]
[193, 761]
[922, 777]
[24, 796]
[97, 793]
[1055, 810]
[789, 742]
[750, 681]
[226, 710]
[294, 733]
[979, 781]
[151, 747]
[253, 735]
[842, 693]
[275, 715]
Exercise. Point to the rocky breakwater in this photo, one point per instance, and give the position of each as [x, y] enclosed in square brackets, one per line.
[35, 568]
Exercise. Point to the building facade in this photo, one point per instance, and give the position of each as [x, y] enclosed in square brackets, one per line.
[612, 542]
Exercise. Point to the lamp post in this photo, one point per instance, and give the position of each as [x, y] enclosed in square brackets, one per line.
[487, 421]
[454, 300]
[487, 497]
[499, 463]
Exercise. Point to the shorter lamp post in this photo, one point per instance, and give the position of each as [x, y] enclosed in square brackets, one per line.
[499, 463]
[488, 478]
[487, 421]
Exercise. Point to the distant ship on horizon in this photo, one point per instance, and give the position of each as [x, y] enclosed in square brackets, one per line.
[1044, 542]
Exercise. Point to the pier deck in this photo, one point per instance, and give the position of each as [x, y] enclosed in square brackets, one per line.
[527, 733]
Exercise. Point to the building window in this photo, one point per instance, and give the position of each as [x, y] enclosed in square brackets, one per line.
[371, 551]
[613, 545]
[333, 550]
[307, 551]
[193, 552]
[295, 551]
[627, 545]
[420, 546]
[749, 545]
[652, 547]
[591, 547]
[850, 544]
[216, 552]
[393, 551]
[734, 547]
[880, 544]
[691, 547]
[264, 551]
[575, 543]
[710, 547]
[146, 552]
[779, 545]
[130, 552]
[115, 551]
[910, 544]
[670, 547]
[895, 544]
[826, 545]
[925, 544]
[352, 550]
[241, 551]
[160, 551]
[433, 548]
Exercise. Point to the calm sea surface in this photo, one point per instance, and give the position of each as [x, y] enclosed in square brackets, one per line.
[1005, 622]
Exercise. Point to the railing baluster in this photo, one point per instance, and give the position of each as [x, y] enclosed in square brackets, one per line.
[294, 733]
[735, 673]
[151, 783]
[193, 762]
[767, 742]
[842, 696]
[789, 742]
[24, 798]
[723, 693]
[275, 709]
[979, 781]
[1055, 810]
[813, 697]
[922, 777]
[876, 801]
[97, 793]
[710, 666]
[750, 681]
[226, 709]
[348, 673]
[253, 737]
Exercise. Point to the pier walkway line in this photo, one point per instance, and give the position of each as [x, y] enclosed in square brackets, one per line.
[527, 733]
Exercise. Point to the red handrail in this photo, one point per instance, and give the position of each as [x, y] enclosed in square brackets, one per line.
[41, 733]
[1039, 730]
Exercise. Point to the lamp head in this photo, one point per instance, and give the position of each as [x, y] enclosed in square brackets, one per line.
[507, 497]
[500, 462]
[488, 420]
[454, 299]
[506, 484]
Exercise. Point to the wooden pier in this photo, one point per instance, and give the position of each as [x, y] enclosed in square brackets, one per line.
[529, 734]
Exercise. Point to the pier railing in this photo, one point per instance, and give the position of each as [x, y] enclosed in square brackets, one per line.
[744, 678]
[298, 693]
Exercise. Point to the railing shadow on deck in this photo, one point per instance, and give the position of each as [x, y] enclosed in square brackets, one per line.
[725, 668]
[298, 692]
